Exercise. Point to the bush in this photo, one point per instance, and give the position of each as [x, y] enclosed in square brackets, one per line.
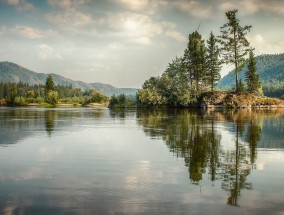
[20, 101]
[52, 97]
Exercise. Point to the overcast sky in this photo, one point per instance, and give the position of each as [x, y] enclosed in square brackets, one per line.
[123, 42]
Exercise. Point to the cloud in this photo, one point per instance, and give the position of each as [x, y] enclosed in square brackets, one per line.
[69, 18]
[67, 4]
[176, 35]
[136, 4]
[21, 5]
[29, 32]
[194, 8]
[26, 32]
[143, 41]
[69, 14]
[46, 52]
[263, 46]
[133, 26]
[254, 6]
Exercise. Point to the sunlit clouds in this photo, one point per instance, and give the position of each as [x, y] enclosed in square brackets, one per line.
[132, 38]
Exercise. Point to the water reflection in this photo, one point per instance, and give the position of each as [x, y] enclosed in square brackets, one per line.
[86, 161]
[195, 136]
[50, 117]
[19, 123]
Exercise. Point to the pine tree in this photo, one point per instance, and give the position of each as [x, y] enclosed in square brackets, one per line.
[235, 46]
[252, 79]
[213, 62]
[194, 63]
[49, 85]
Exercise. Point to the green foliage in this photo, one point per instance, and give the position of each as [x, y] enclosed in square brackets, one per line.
[12, 94]
[241, 87]
[194, 60]
[49, 85]
[26, 94]
[213, 62]
[270, 69]
[235, 46]
[52, 97]
[97, 97]
[183, 81]
[252, 79]
[122, 101]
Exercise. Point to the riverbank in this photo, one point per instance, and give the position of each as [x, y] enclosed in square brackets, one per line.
[243, 100]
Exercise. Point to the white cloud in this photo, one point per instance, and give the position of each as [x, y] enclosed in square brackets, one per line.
[29, 32]
[26, 32]
[143, 41]
[46, 52]
[176, 35]
[136, 4]
[133, 26]
[263, 46]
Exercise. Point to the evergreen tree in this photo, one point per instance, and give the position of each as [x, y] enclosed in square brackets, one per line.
[213, 62]
[12, 93]
[49, 85]
[235, 46]
[252, 79]
[194, 63]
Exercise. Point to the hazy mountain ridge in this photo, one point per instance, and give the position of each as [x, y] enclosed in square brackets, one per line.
[13, 73]
[270, 68]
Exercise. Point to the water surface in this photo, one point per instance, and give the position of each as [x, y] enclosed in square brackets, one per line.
[100, 161]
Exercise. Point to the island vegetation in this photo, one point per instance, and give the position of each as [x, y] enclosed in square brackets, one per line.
[190, 80]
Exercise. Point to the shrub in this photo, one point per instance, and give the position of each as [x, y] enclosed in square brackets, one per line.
[52, 97]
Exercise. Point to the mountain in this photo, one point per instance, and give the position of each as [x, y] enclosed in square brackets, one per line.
[13, 73]
[271, 72]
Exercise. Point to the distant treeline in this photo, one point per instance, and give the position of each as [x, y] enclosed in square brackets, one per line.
[25, 90]
[275, 90]
[22, 94]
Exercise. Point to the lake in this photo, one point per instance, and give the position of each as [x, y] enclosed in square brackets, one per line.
[156, 161]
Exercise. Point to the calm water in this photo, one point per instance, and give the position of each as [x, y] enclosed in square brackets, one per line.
[87, 161]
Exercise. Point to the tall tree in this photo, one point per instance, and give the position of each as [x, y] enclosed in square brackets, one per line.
[252, 79]
[213, 62]
[49, 85]
[194, 63]
[235, 46]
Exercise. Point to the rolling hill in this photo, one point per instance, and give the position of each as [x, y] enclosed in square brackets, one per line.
[13, 73]
[271, 72]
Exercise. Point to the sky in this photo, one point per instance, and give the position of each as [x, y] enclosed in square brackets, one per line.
[123, 42]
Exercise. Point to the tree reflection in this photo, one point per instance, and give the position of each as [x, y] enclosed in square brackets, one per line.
[237, 164]
[188, 136]
[194, 136]
[49, 117]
